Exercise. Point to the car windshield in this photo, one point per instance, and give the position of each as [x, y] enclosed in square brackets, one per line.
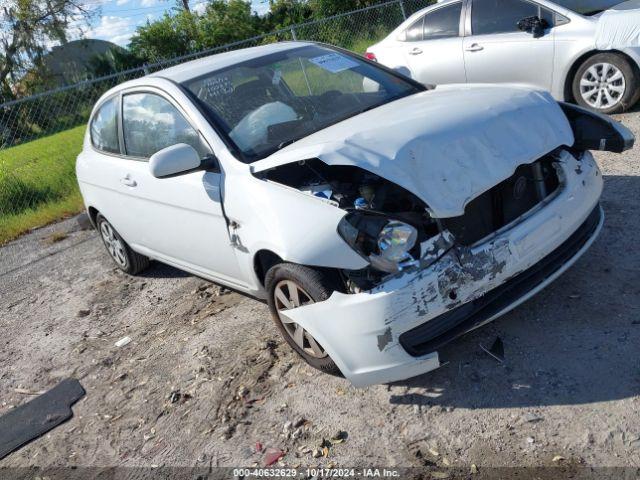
[588, 7]
[269, 102]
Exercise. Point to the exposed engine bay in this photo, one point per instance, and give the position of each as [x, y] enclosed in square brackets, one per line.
[392, 228]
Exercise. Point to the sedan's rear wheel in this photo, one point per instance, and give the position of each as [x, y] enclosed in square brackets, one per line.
[126, 259]
[291, 286]
[606, 83]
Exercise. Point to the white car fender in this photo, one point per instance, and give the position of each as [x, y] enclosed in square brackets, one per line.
[297, 227]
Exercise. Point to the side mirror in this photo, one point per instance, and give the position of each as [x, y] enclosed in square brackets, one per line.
[534, 25]
[173, 160]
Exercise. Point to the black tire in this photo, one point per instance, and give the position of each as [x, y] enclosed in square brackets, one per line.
[318, 285]
[631, 80]
[125, 259]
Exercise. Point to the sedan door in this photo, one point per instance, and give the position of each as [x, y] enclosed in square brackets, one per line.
[497, 51]
[180, 219]
[433, 50]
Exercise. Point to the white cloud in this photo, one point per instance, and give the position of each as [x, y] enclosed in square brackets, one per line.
[148, 3]
[122, 2]
[115, 29]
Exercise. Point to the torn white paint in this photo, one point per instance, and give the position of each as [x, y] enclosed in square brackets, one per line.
[447, 146]
[619, 27]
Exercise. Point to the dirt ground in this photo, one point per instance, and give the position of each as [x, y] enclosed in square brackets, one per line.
[206, 375]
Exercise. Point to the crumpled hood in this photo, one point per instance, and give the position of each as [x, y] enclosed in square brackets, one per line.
[447, 146]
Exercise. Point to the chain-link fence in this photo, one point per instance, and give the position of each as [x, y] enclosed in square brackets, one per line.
[41, 135]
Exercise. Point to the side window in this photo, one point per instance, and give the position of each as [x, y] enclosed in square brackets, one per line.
[104, 127]
[414, 32]
[151, 123]
[443, 23]
[499, 16]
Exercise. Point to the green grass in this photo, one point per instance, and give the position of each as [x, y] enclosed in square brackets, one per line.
[38, 183]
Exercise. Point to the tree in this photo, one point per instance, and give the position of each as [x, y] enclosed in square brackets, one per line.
[181, 31]
[284, 13]
[226, 21]
[171, 36]
[28, 27]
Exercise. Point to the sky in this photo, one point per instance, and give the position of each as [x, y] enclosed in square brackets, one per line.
[119, 18]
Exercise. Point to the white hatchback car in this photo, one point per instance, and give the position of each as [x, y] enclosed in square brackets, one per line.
[378, 218]
[586, 51]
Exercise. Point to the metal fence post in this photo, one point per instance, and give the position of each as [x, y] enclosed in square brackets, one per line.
[293, 34]
[404, 12]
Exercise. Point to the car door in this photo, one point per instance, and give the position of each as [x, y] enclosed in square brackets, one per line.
[433, 49]
[180, 219]
[497, 51]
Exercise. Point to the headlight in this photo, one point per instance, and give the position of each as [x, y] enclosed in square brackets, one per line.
[383, 242]
[396, 241]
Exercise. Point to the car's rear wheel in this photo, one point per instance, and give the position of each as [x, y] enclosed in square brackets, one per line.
[126, 259]
[606, 83]
[290, 286]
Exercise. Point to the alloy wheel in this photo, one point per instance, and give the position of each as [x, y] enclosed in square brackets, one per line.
[603, 86]
[114, 244]
[289, 295]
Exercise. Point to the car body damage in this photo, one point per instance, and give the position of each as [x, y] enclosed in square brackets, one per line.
[362, 331]
[447, 146]
[489, 198]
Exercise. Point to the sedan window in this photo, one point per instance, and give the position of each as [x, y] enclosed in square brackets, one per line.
[415, 32]
[264, 104]
[500, 16]
[151, 123]
[443, 23]
[104, 127]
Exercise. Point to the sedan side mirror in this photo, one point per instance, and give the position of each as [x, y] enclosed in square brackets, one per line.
[179, 158]
[534, 25]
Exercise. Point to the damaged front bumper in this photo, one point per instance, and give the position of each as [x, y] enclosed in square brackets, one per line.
[393, 331]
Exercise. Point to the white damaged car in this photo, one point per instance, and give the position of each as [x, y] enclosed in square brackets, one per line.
[379, 219]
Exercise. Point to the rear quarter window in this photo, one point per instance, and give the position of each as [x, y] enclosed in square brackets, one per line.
[104, 127]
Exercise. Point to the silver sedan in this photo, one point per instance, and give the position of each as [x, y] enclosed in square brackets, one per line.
[586, 51]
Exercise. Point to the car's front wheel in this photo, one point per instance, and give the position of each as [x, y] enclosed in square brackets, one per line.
[290, 286]
[126, 259]
[606, 83]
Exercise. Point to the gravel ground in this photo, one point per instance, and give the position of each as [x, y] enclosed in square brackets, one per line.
[206, 375]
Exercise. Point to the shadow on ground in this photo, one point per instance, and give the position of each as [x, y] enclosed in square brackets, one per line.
[160, 270]
[577, 342]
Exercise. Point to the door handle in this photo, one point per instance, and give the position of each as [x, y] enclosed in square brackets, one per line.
[474, 48]
[415, 51]
[128, 181]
